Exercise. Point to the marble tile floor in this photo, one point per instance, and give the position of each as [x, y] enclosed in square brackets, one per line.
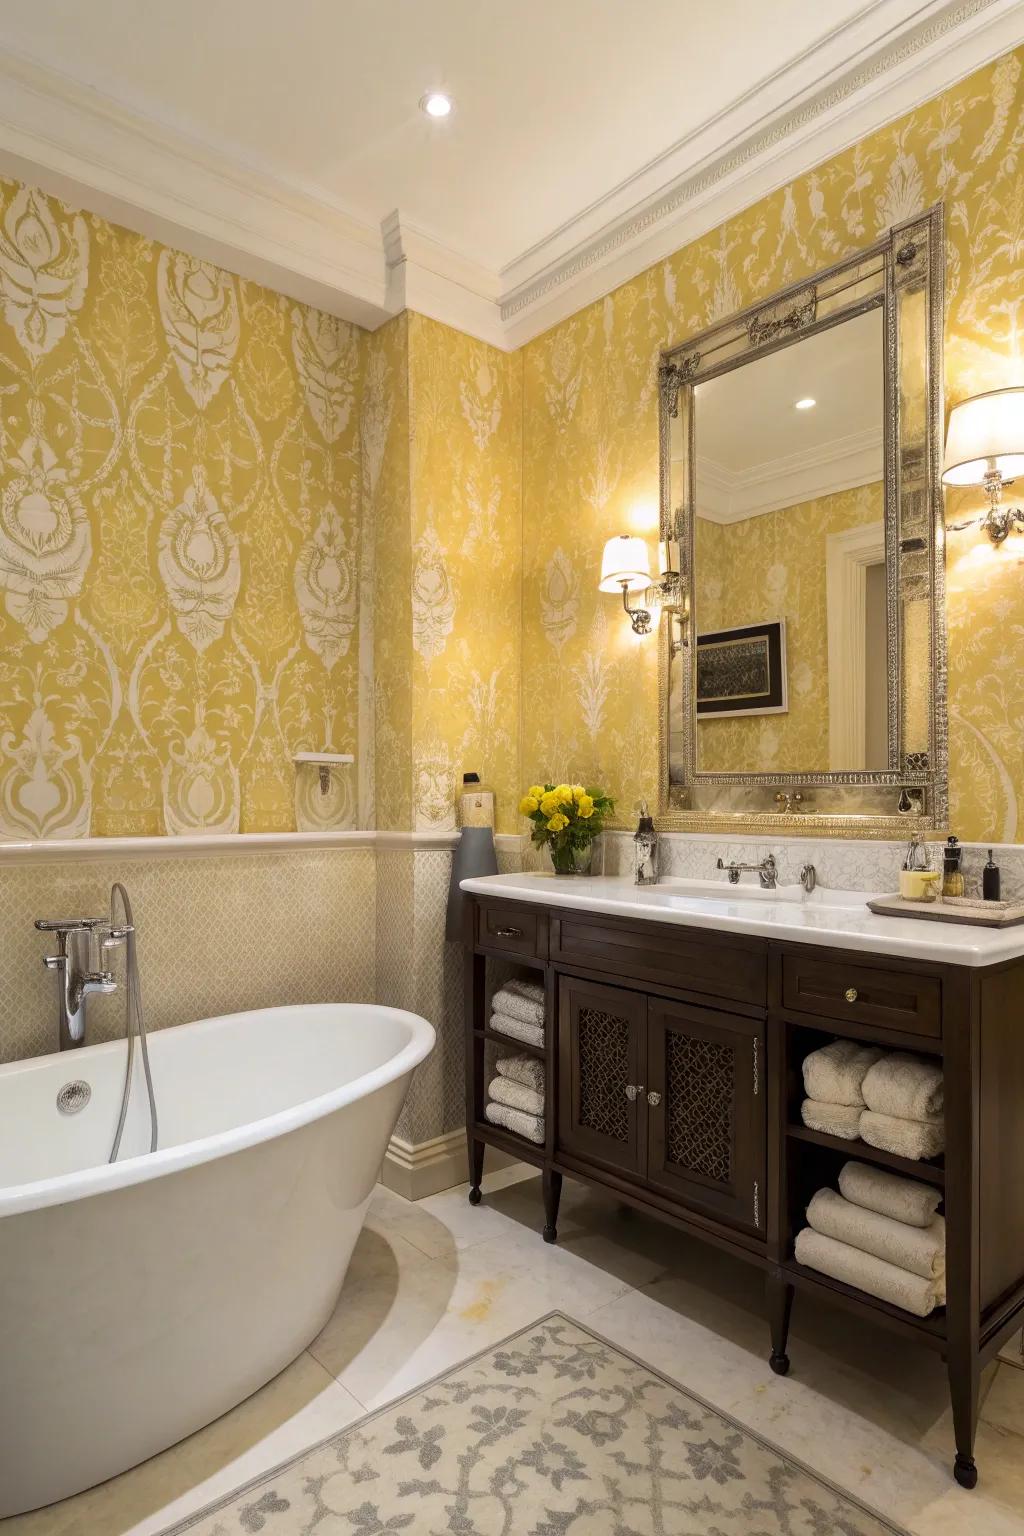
[434, 1282]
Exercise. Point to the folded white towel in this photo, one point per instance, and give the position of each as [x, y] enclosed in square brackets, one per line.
[530, 1126]
[866, 1273]
[905, 1086]
[522, 1069]
[505, 1000]
[503, 1090]
[532, 990]
[834, 1119]
[921, 1250]
[517, 1029]
[835, 1073]
[907, 1138]
[878, 1190]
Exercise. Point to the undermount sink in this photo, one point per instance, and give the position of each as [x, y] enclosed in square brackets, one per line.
[670, 888]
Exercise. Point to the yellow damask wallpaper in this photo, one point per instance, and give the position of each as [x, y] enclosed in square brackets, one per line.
[179, 534]
[773, 567]
[591, 433]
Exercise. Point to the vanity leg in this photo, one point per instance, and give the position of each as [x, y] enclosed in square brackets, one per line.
[552, 1186]
[476, 1169]
[963, 1391]
[778, 1296]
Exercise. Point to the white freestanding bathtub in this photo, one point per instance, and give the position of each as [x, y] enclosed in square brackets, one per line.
[141, 1300]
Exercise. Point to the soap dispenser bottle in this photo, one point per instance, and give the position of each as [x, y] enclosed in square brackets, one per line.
[645, 849]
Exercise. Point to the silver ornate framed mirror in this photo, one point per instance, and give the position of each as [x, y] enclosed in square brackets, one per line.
[803, 666]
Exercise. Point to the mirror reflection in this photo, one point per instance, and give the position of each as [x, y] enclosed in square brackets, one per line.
[789, 588]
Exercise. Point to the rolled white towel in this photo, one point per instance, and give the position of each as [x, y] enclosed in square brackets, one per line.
[834, 1119]
[503, 1090]
[907, 1138]
[921, 1250]
[835, 1073]
[522, 1069]
[878, 1190]
[530, 1126]
[866, 1273]
[517, 1029]
[506, 1001]
[905, 1086]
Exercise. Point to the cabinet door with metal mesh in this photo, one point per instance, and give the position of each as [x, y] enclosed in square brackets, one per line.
[601, 1091]
[705, 1094]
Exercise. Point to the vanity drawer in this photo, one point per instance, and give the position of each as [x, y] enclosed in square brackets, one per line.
[513, 930]
[695, 962]
[867, 994]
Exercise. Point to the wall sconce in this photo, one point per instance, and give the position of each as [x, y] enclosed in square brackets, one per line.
[625, 567]
[985, 446]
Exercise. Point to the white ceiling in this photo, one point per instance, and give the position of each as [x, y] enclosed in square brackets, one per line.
[287, 132]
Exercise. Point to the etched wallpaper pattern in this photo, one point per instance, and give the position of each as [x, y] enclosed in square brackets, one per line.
[591, 440]
[179, 534]
[773, 567]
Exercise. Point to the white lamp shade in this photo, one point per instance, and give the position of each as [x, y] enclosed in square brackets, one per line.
[625, 561]
[985, 433]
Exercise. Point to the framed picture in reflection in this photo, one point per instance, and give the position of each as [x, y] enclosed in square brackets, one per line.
[742, 671]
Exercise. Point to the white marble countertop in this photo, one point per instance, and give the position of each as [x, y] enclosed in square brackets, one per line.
[836, 919]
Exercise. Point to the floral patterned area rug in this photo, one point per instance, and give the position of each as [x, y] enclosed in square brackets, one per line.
[555, 1432]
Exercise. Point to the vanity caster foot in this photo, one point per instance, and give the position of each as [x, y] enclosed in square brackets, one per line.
[779, 1364]
[550, 1234]
[474, 1195]
[965, 1471]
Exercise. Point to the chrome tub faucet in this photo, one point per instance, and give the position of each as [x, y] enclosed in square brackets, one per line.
[81, 942]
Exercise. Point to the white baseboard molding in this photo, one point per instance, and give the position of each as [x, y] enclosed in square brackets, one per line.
[418, 1169]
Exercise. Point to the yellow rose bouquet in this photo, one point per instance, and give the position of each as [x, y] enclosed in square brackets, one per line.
[566, 819]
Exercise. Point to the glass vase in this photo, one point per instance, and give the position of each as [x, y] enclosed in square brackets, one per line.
[567, 860]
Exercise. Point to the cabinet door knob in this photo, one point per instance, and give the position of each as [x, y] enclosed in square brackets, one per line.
[633, 1091]
[653, 1099]
[508, 933]
[850, 994]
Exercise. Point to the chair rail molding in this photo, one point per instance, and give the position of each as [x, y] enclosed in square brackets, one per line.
[74, 142]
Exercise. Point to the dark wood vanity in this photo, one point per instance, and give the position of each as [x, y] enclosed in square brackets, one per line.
[673, 1078]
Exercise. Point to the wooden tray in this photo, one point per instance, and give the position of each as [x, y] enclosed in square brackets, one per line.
[959, 909]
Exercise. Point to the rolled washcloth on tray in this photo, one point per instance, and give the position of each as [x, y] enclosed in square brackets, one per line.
[834, 1074]
[907, 1138]
[530, 1126]
[517, 1029]
[866, 1273]
[921, 1250]
[877, 1190]
[518, 1004]
[834, 1119]
[503, 1090]
[522, 1069]
[905, 1086]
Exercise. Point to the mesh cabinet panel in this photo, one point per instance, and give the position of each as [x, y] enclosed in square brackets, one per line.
[603, 1047]
[700, 1084]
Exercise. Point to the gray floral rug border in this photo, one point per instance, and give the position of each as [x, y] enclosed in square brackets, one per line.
[784, 1506]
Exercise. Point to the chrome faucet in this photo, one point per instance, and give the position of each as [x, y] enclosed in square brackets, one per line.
[81, 942]
[767, 872]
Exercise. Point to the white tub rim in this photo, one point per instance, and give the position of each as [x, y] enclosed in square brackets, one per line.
[65, 1188]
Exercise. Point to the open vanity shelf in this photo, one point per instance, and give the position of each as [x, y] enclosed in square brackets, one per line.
[673, 1078]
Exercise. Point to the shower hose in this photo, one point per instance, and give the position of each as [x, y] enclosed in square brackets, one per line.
[136, 1024]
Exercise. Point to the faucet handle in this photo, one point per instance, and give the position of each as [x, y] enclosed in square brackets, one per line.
[68, 925]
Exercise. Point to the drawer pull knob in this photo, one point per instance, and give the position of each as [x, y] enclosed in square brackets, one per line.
[653, 1099]
[633, 1091]
[850, 994]
[508, 933]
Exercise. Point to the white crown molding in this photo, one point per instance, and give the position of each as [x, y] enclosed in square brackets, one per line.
[732, 496]
[954, 38]
[100, 155]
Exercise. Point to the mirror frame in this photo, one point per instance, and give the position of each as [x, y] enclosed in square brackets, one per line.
[911, 793]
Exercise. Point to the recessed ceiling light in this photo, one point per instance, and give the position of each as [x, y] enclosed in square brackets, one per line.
[806, 404]
[436, 104]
